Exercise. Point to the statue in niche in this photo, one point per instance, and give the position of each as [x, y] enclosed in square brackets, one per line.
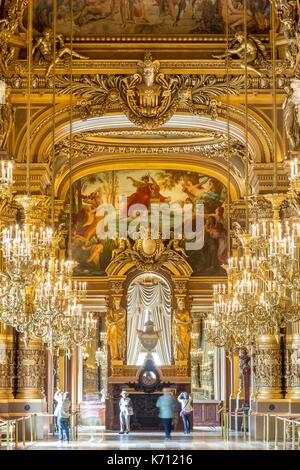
[291, 117]
[115, 325]
[182, 332]
[44, 46]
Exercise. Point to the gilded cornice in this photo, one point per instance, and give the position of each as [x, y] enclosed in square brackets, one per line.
[18, 81]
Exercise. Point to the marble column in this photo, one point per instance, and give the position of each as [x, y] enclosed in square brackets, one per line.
[268, 368]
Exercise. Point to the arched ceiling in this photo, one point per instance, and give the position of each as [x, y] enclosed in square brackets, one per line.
[112, 141]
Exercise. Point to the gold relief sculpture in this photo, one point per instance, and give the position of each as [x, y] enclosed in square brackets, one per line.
[174, 245]
[289, 16]
[268, 368]
[292, 372]
[149, 254]
[43, 48]
[31, 370]
[250, 50]
[182, 332]
[291, 116]
[116, 331]
[8, 27]
[149, 98]
[6, 364]
[7, 120]
[121, 245]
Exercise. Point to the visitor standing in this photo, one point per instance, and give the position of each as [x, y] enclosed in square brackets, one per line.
[126, 410]
[63, 415]
[186, 409]
[167, 406]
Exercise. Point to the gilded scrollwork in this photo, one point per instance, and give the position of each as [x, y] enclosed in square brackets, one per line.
[149, 254]
[149, 98]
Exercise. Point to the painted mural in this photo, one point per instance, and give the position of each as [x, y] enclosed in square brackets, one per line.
[93, 254]
[153, 17]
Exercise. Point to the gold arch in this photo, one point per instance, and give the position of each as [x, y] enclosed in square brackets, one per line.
[260, 132]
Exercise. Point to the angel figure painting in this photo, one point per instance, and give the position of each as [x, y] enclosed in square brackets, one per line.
[153, 17]
[93, 252]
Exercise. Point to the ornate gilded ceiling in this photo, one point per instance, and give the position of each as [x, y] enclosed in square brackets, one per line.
[149, 83]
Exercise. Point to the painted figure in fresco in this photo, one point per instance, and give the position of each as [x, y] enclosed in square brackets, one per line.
[86, 218]
[116, 331]
[182, 332]
[218, 232]
[94, 10]
[147, 189]
[210, 197]
[235, 11]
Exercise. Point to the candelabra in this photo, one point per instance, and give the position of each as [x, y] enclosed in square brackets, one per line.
[6, 178]
[23, 252]
[55, 295]
[101, 353]
[295, 177]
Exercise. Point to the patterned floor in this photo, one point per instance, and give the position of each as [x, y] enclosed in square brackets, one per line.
[202, 439]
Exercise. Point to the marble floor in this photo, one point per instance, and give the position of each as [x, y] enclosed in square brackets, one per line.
[200, 439]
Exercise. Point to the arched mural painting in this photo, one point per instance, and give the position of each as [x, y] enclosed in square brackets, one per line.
[93, 253]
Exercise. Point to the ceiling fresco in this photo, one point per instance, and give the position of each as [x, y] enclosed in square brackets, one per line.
[152, 17]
